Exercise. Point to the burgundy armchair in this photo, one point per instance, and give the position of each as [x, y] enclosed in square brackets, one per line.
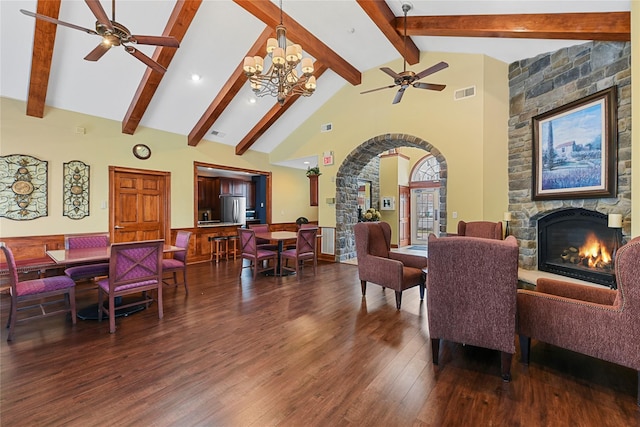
[377, 264]
[484, 229]
[471, 294]
[595, 321]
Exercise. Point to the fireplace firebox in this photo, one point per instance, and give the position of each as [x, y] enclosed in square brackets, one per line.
[577, 243]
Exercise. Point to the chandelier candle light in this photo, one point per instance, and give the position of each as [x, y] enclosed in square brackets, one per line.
[281, 80]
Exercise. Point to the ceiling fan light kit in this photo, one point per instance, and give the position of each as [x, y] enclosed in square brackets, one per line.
[282, 79]
[407, 77]
[114, 34]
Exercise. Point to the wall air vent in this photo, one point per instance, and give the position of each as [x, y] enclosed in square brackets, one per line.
[327, 127]
[467, 92]
[218, 133]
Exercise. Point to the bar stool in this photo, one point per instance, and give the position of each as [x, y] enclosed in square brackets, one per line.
[220, 247]
[232, 240]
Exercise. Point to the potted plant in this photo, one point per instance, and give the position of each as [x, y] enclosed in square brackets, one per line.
[314, 171]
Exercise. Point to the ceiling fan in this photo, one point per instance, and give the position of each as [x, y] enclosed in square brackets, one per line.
[409, 78]
[113, 34]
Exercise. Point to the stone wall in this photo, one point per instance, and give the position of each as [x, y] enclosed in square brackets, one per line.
[347, 185]
[548, 81]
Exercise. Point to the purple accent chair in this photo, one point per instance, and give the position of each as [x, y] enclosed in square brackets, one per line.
[256, 255]
[84, 241]
[263, 243]
[471, 294]
[38, 293]
[134, 267]
[305, 250]
[596, 321]
[378, 264]
[484, 229]
[179, 261]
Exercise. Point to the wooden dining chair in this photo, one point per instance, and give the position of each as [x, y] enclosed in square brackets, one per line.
[134, 267]
[178, 263]
[263, 243]
[305, 250]
[86, 241]
[256, 256]
[38, 293]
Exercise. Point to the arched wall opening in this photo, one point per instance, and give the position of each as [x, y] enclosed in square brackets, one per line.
[347, 185]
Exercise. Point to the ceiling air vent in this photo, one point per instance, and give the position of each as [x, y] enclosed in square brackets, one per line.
[467, 92]
[218, 133]
[327, 127]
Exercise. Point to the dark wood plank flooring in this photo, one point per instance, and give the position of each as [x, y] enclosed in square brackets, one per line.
[278, 351]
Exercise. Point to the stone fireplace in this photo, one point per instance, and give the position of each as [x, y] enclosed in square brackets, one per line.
[537, 85]
[577, 243]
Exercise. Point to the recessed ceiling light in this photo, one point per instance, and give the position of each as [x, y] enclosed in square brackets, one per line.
[195, 77]
[252, 100]
[306, 163]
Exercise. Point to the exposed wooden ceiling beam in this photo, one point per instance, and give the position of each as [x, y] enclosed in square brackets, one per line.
[605, 26]
[272, 115]
[383, 17]
[43, 41]
[269, 13]
[227, 93]
[177, 26]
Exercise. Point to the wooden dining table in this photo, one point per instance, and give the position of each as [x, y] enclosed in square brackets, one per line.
[280, 237]
[84, 255]
[65, 257]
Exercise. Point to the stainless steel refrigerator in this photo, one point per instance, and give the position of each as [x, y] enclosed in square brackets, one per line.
[233, 209]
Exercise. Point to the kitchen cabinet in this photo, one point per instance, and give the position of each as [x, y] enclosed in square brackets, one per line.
[233, 187]
[206, 191]
[251, 195]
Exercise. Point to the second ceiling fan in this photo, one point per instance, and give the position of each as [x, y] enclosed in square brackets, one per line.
[114, 34]
[409, 78]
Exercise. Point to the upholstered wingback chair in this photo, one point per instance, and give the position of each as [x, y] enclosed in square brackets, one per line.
[471, 294]
[377, 264]
[595, 321]
[484, 229]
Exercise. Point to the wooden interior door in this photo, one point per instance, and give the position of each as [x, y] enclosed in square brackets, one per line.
[139, 204]
[404, 217]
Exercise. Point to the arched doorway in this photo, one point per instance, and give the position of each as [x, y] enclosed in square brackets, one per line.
[347, 185]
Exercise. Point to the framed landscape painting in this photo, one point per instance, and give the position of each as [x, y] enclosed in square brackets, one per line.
[575, 149]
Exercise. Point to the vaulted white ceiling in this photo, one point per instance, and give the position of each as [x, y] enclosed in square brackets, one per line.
[219, 37]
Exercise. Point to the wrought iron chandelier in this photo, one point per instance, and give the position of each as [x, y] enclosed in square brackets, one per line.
[282, 79]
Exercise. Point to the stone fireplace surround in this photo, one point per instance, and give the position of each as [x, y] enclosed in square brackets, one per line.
[548, 81]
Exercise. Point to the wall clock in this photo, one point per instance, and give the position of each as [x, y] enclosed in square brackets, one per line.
[142, 151]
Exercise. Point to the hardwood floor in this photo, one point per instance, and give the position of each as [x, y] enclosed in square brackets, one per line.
[279, 351]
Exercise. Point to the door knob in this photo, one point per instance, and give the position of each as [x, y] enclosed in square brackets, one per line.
[118, 227]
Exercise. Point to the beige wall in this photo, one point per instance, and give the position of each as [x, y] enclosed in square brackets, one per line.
[53, 139]
[470, 140]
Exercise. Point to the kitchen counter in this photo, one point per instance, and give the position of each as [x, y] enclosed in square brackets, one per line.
[210, 224]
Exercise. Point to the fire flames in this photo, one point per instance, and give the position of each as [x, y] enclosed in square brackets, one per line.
[593, 253]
